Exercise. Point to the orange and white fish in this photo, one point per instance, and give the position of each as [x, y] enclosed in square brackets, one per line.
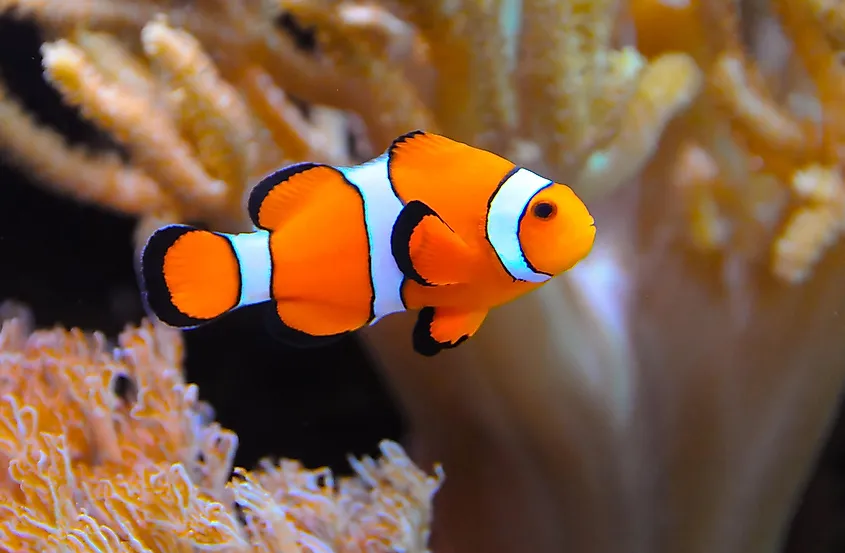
[431, 225]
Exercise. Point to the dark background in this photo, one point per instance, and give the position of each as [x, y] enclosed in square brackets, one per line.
[73, 265]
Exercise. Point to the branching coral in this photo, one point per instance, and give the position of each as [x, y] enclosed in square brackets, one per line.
[670, 393]
[87, 469]
[201, 105]
[631, 400]
[759, 168]
[201, 131]
[195, 141]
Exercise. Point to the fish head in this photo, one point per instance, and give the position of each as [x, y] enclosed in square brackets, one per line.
[556, 230]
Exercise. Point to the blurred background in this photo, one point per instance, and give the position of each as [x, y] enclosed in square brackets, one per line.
[679, 391]
[72, 264]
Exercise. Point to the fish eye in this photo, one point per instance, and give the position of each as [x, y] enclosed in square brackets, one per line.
[544, 210]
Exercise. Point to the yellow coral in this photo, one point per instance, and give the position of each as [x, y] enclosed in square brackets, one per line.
[738, 123]
[763, 128]
[544, 83]
[89, 470]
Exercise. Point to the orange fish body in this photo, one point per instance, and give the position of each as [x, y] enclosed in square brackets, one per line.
[432, 225]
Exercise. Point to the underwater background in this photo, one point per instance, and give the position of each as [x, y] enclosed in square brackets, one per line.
[678, 391]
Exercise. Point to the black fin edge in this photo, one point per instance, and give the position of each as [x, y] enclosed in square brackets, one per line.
[423, 342]
[390, 149]
[290, 336]
[154, 292]
[404, 138]
[410, 216]
[262, 189]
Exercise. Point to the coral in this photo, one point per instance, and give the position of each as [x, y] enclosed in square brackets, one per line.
[106, 448]
[202, 105]
[670, 393]
[783, 116]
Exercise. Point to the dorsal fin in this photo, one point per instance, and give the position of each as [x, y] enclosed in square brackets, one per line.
[429, 149]
[281, 193]
[421, 163]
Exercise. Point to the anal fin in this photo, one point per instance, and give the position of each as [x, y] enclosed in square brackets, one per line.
[427, 250]
[440, 328]
[289, 335]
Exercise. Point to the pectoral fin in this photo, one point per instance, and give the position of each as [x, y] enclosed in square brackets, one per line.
[440, 328]
[427, 250]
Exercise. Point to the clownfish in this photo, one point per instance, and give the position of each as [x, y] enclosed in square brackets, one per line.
[431, 225]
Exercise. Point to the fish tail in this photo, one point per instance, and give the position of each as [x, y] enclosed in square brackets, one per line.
[191, 276]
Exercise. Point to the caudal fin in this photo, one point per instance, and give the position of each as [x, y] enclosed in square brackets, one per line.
[189, 276]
